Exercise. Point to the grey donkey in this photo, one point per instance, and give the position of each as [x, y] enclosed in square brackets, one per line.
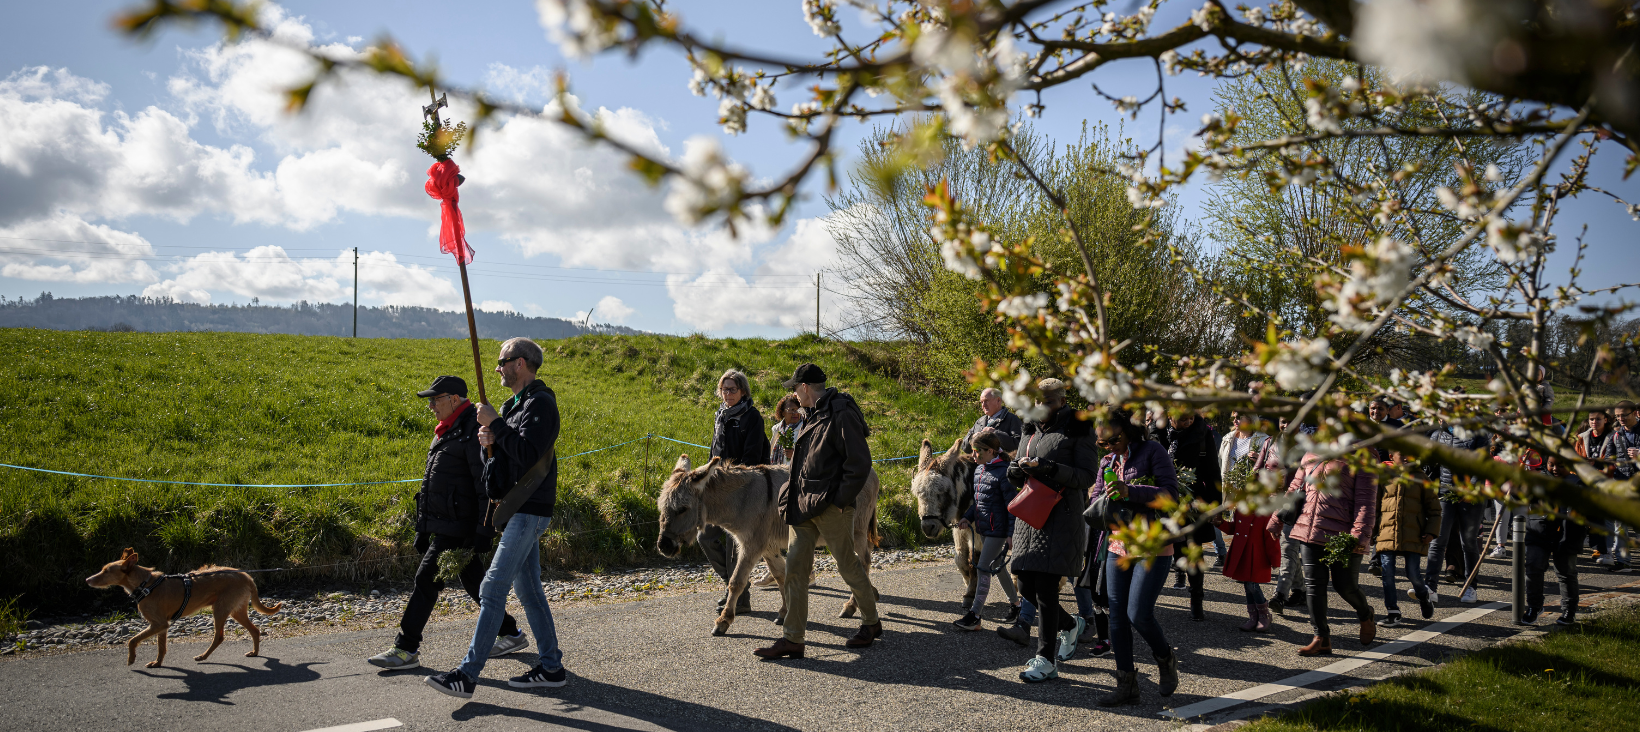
[943, 485]
[743, 500]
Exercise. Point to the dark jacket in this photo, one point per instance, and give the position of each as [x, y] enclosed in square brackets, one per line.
[992, 494]
[1004, 423]
[1477, 441]
[1617, 447]
[830, 461]
[1197, 447]
[1064, 445]
[739, 435]
[450, 501]
[527, 428]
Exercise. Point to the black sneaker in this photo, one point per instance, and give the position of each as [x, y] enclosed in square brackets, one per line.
[1426, 608]
[1278, 605]
[1390, 621]
[967, 622]
[1018, 633]
[1099, 648]
[1013, 615]
[1529, 616]
[455, 683]
[1566, 619]
[1617, 566]
[539, 677]
[1178, 580]
[1376, 569]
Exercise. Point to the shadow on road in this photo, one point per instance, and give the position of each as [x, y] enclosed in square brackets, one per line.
[217, 684]
[582, 694]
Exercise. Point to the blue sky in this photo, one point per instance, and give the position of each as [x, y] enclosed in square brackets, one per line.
[139, 161]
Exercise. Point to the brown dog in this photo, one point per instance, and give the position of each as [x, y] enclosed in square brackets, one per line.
[226, 590]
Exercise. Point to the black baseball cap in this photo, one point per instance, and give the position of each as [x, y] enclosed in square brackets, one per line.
[806, 374]
[445, 385]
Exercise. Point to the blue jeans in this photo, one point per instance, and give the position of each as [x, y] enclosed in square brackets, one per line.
[1218, 543]
[1460, 532]
[1415, 575]
[1254, 591]
[515, 566]
[1133, 592]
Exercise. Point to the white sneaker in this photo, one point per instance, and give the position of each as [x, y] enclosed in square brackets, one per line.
[1434, 599]
[1039, 670]
[1468, 597]
[1496, 553]
[1067, 639]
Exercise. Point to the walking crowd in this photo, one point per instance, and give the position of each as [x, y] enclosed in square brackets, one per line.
[1042, 498]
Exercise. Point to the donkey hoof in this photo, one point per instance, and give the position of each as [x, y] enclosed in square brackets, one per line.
[720, 630]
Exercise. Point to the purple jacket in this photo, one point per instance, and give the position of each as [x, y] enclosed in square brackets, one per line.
[1146, 458]
[1351, 507]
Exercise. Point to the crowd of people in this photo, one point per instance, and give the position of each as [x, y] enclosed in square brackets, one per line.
[1045, 496]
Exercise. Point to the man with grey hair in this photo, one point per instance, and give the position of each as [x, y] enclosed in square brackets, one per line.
[521, 480]
[995, 417]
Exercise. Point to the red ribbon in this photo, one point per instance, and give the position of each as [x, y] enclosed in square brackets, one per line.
[452, 233]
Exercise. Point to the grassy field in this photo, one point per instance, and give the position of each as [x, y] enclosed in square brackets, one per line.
[1581, 679]
[264, 409]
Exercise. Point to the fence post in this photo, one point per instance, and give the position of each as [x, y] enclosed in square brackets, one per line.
[1517, 565]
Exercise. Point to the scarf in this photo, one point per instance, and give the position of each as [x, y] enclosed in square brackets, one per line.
[445, 424]
[724, 415]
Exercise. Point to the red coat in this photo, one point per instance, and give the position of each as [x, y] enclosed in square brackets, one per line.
[1253, 552]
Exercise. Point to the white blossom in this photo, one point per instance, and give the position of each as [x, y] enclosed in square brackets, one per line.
[1513, 243]
[1204, 17]
[1464, 206]
[1296, 366]
[1254, 16]
[1375, 279]
[1493, 174]
[953, 53]
[974, 125]
[697, 83]
[1021, 403]
[1020, 306]
[732, 115]
[1474, 337]
[1320, 117]
[1432, 39]
[821, 16]
[762, 98]
[709, 182]
[578, 28]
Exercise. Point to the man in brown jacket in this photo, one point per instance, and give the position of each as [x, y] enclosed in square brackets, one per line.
[830, 465]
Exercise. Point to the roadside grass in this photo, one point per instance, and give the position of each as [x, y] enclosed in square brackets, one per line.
[1584, 678]
[271, 409]
[13, 617]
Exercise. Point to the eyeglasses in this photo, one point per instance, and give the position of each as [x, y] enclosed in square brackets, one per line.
[502, 362]
[1110, 442]
[726, 388]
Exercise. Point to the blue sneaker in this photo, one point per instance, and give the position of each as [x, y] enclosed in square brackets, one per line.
[539, 677]
[455, 683]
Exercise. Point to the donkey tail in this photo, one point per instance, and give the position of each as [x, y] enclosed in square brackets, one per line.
[871, 531]
[265, 609]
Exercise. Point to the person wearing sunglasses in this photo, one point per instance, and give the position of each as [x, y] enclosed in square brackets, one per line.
[738, 437]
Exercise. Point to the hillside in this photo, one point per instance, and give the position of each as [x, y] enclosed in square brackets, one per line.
[274, 409]
[156, 315]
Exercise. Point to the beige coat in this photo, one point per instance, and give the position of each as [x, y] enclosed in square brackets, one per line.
[1408, 508]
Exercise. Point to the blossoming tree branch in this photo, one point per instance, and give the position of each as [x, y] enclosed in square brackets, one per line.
[1559, 78]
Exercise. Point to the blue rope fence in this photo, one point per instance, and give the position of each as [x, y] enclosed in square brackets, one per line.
[338, 485]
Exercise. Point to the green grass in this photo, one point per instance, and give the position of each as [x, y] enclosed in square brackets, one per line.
[267, 409]
[1581, 679]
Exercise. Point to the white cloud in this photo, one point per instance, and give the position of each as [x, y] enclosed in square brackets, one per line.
[64, 248]
[269, 273]
[497, 306]
[778, 293]
[612, 310]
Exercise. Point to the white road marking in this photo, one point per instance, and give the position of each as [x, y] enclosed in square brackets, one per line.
[1406, 643]
[388, 723]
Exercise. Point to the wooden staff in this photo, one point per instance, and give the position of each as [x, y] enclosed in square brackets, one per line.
[431, 110]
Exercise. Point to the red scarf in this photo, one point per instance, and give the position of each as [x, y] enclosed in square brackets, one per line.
[452, 233]
[444, 424]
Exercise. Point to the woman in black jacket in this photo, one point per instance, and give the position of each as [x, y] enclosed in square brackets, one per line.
[739, 438]
[1059, 452]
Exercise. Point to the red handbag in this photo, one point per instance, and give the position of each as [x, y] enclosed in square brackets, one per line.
[1035, 502]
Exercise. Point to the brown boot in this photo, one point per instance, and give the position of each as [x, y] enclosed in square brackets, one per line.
[867, 634]
[1318, 647]
[1369, 631]
[781, 649]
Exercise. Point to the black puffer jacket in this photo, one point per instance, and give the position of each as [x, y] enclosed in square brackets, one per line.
[450, 502]
[831, 460]
[1064, 446]
[739, 435]
[1477, 441]
[1196, 447]
[527, 428]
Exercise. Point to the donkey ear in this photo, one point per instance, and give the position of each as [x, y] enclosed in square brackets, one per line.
[698, 478]
[683, 464]
[925, 455]
[956, 449]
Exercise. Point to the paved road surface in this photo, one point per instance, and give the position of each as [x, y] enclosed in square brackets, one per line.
[651, 665]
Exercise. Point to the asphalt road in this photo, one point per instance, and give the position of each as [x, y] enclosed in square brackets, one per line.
[652, 665]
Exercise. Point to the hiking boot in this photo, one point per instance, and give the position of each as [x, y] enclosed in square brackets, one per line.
[1098, 648]
[1529, 616]
[1038, 670]
[540, 677]
[867, 634]
[1391, 621]
[1178, 580]
[1277, 604]
[455, 683]
[508, 643]
[1167, 672]
[1567, 619]
[782, 648]
[1318, 647]
[1126, 690]
[1018, 632]
[1468, 597]
[1296, 598]
[1067, 640]
[967, 622]
[1369, 631]
[1013, 615]
[396, 659]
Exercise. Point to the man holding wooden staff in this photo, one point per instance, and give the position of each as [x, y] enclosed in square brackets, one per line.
[521, 479]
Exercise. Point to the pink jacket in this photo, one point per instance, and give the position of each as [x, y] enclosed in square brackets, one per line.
[1350, 507]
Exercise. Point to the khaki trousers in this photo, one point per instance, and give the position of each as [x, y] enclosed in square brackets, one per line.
[837, 526]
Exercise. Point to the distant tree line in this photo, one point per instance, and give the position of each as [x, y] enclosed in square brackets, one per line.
[135, 313]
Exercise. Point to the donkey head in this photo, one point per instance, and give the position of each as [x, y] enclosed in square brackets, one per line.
[682, 511]
[939, 485]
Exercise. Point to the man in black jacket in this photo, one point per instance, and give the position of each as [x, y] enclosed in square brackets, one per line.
[1460, 517]
[1194, 444]
[450, 511]
[522, 470]
[831, 463]
[995, 417]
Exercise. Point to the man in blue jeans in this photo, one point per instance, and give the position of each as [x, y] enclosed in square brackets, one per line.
[520, 437]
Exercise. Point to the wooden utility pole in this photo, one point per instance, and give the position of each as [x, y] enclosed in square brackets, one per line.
[355, 292]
